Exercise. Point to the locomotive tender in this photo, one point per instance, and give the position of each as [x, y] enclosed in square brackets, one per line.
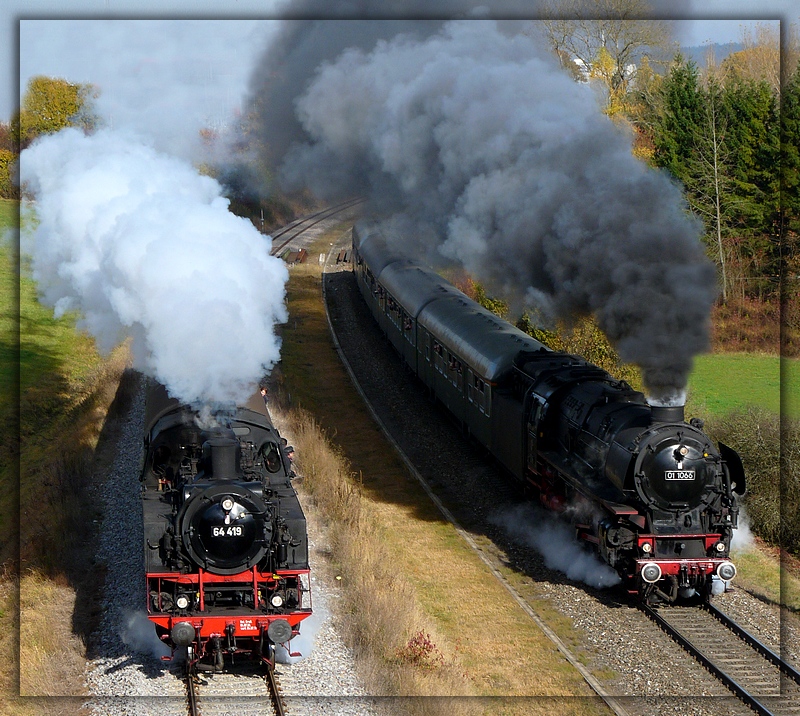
[649, 491]
[226, 548]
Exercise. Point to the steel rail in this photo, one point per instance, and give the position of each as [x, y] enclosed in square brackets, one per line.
[754, 701]
[275, 692]
[317, 218]
[294, 224]
[760, 647]
[191, 692]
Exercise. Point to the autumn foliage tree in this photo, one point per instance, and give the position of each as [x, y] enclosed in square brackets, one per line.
[51, 104]
[48, 105]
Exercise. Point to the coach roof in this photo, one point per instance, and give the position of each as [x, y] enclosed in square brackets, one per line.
[487, 343]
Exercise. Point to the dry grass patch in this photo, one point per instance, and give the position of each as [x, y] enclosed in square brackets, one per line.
[60, 465]
[379, 602]
[424, 615]
[46, 632]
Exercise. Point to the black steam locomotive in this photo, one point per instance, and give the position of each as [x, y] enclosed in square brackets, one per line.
[226, 549]
[652, 494]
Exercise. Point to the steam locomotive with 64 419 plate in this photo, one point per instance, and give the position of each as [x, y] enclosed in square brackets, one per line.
[226, 548]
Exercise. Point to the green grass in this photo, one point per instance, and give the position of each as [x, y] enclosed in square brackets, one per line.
[46, 369]
[725, 382]
[8, 213]
[8, 308]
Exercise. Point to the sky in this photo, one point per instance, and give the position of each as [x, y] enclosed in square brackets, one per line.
[204, 50]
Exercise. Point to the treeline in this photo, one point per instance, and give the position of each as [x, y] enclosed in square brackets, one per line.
[731, 139]
[728, 132]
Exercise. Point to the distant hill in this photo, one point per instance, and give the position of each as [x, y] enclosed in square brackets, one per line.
[699, 53]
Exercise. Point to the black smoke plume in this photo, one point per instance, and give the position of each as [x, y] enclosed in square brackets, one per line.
[472, 139]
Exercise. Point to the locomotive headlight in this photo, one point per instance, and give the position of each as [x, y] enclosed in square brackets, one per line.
[227, 504]
[647, 547]
[720, 547]
[276, 600]
[182, 602]
[651, 572]
[726, 571]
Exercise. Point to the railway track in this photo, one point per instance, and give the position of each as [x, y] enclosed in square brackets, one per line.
[250, 692]
[755, 673]
[296, 228]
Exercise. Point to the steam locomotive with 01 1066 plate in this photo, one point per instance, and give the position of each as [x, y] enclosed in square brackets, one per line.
[649, 491]
[226, 548]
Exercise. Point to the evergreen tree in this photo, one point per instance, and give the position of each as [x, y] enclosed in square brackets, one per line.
[679, 115]
[790, 162]
[754, 142]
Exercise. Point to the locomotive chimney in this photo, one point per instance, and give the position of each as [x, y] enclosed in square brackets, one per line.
[667, 413]
[224, 458]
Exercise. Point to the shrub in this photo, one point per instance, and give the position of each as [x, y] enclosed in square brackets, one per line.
[8, 187]
[421, 651]
[770, 452]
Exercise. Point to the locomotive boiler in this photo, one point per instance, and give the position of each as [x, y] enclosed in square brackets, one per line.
[226, 549]
[649, 491]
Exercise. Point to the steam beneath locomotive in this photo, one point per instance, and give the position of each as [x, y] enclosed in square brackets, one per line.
[554, 540]
[477, 145]
[144, 246]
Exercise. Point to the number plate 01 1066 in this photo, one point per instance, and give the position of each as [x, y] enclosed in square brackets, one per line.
[679, 475]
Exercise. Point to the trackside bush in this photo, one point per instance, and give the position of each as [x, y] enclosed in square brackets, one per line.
[770, 452]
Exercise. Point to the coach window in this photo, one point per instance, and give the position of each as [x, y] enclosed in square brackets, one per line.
[455, 371]
[438, 357]
[408, 328]
[481, 395]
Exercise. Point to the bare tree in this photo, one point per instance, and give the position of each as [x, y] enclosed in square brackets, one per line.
[605, 38]
[760, 58]
[709, 181]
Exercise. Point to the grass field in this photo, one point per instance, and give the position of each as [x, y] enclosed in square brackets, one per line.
[8, 306]
[724, 382]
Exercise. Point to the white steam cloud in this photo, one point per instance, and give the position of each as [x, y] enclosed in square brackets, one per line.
[139, 634]
[303, 643]
[143, 246]
[482, 148]
[742, 540]
[555, 541]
